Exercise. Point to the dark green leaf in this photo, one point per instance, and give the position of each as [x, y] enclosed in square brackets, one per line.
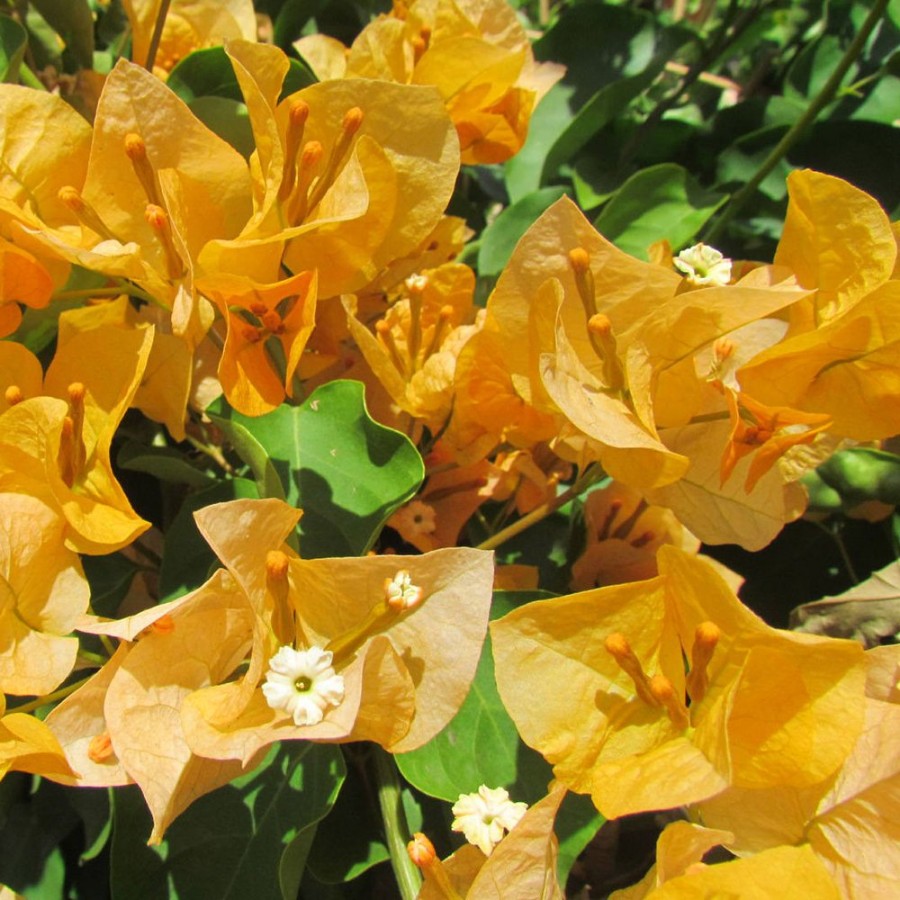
[480, 745]
[228, 119]
[74, 23]
[13, 40]
[163, 463]
[187, 557]
[209, 73]
[229, 843]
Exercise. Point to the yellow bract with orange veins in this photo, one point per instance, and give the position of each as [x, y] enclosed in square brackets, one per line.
[618, 726]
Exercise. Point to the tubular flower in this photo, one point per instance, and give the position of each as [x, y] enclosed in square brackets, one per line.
[303, 684]
[703, 265]
[485, 816]
[610, 706]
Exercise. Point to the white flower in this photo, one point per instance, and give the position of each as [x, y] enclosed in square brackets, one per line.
[704, 265]
[303, 684]
[484, 817]
[400, 593]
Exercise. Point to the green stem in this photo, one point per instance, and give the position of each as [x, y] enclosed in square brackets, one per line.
[50, 698]
[822, 99]
[157, 33]
[592, 474]
[395, 826]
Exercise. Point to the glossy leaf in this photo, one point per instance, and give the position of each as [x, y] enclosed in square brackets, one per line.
[662, 202]
[228, 845]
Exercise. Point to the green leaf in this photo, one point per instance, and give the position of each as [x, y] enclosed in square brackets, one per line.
[209, 73]
[500, 238]
[344, 470]
[228, 119]
[602, 78]
[13, 40]
[110, 578]
[74, 23]
[349, 842]
[163, 463]
[662, 201]
[187, 557]
[480, 745]
[229, 843]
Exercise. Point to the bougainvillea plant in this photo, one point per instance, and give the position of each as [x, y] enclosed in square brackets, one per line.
[418, 421]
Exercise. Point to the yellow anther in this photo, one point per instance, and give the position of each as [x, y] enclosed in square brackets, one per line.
[600, 325]
[603, 341]
[136, 151]
[13, 395]
[706, 638]
[724, 348]
[579, 260]
[135, 148]
[619, 648]
[664, 694]
[158, 220]
[310, 158]
[298, 113]
[351, 123]
[71, 198]
[165, 624]
[87, 215]
[76, 392]
[383, 330]
[353, 119]
[277, 565]
[421, 851]
[313, 151]
[100, 748]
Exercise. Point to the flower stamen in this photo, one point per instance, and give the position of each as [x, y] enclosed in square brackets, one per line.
[706, 637]
[617, 646]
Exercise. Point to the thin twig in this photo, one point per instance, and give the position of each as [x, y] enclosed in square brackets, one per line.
[157, 34]
[822, 99]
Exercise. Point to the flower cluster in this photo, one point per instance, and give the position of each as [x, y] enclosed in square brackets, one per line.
[188, 303]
